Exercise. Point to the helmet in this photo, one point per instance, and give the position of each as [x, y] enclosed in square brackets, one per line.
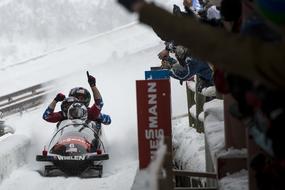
[81, 94]
[77, 111]
[66, 104]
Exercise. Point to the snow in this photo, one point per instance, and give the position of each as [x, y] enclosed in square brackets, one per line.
[59, 41]
[193, 111]
[47, 66]
[214, 127]
[191, 85]
[209, 91]
[132, 48]
[147, 179]
[122, 150]
[189, 149]
[231, 152]
[235, 181]
[12, 153]
[201, 116]
[5, 136]
[214, 132]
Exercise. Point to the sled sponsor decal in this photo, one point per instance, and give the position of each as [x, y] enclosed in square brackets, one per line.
[74, 140]
[154, 117]
[71, 139]
[71, 157]
[71, 148]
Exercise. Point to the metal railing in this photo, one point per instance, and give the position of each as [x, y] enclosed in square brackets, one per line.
[234, 135]
[24, 99]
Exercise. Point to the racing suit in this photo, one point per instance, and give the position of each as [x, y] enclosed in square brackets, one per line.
[94, 114]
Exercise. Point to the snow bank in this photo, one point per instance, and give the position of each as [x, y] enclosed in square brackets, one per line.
[192, 111]
[188, 145]
[189, 154]
[214, 131]
[214, 127]
[209, 91]
[201, 116]
[12, 154]
[235, 181]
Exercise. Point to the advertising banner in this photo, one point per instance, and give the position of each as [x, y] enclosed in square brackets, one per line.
[154, 116]
[156, 74]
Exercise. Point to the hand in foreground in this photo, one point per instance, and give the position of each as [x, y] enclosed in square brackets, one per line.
[131, 5]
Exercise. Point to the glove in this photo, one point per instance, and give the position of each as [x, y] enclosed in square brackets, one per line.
[128, 4]
[91, 80]
[104, 118]
[59, 97]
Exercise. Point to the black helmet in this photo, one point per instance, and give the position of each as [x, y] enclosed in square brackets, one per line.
[77, 111]
[66, 103]
[81, 94]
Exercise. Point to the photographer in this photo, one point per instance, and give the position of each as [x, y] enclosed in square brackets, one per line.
[186, 67]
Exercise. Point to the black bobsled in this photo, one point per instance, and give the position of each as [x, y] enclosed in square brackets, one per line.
[75, 149]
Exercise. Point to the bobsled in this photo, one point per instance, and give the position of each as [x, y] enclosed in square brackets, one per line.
[75, 149]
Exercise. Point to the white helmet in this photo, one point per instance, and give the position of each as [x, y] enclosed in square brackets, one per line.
[77, 111]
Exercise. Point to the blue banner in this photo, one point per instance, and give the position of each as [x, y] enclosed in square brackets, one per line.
[156, 74]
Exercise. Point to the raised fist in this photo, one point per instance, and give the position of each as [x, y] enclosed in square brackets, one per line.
[59, 97]
[91, 79]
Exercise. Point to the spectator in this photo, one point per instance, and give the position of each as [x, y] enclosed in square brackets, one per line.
[187, 67]
[263, 63]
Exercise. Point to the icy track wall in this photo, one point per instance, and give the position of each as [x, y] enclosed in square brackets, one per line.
[12, 154]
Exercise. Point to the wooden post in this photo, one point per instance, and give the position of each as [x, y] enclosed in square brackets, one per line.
[200, 99]
[209, 164]
[252, 150]
[235, 131]
[190, 103]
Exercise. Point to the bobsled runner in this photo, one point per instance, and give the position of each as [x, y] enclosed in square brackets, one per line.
[76, 149]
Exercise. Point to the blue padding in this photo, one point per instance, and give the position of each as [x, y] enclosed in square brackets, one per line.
[157, 74]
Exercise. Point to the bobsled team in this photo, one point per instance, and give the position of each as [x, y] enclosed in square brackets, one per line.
[76, 147]
[76, 106]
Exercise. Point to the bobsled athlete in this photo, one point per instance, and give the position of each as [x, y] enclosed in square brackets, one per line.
[82, 95]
